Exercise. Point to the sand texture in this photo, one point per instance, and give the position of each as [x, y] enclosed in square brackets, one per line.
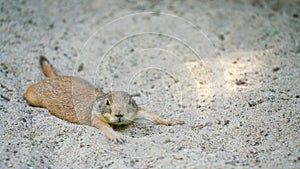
[229, 69]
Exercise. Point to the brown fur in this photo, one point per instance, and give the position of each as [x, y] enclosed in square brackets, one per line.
[77, 101]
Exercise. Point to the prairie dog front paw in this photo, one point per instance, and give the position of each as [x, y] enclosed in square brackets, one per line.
[114, 136]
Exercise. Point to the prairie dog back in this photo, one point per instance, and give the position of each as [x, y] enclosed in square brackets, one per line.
[66, 97]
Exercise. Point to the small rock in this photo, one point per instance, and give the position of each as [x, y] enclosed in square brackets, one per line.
[51, 26]
[132, 162]
[241, 82]
[252, 103]
[23, 120]
[271, 90]
[285, 97]
[167, 141]
[56, 48]
[260, 101]
[241, 124]
[221, 37]
[10, 165]
[254, 143]
[276, 69]
[226, 122]
[199, 126]
[80, 67]
[178, 158]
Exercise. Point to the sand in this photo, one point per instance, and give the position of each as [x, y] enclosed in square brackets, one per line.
[230, 70]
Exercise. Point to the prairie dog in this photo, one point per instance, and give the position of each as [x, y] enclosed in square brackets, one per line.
[77, 101]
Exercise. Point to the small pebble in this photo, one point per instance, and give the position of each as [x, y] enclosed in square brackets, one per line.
[252, 103]
[10, 165]
[276, 69]
[285, 97]
[167, 141]
[241, 82]
[226, 122]
[221, 37]
[260, 101]
[80, 67]
[254, 143]
[295, 15]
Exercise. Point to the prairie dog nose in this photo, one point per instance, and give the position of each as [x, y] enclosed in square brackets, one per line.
[119, 115]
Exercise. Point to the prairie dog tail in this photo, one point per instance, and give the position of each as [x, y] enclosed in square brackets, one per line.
[47, 68]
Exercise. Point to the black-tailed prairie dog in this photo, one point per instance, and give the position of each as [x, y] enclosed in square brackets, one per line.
[77, 101]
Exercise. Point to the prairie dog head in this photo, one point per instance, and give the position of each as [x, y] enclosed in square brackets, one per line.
[117, 108]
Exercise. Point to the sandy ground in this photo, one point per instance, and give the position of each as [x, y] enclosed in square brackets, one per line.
[230, 70]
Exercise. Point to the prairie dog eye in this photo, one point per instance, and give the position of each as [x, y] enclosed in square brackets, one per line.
[107, 102]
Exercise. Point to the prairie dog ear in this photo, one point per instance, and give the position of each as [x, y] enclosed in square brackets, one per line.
[100, 106]
[101, 97]
[99, 92]
[98, 103]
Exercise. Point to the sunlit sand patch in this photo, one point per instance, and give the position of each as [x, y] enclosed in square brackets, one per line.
[241, 70]
[231, 73]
